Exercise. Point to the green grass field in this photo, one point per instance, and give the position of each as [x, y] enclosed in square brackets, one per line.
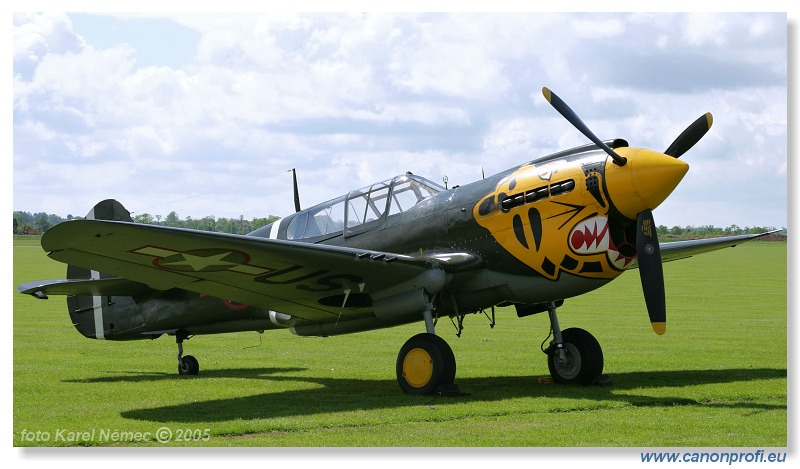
[717, 378]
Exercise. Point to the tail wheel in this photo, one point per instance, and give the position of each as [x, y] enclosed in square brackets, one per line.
[424, 363]
[582, 360]
[188, 365]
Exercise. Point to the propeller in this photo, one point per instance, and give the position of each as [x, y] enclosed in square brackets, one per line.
[576, 121]
[690, 135]
[648, 256]
[648, 252]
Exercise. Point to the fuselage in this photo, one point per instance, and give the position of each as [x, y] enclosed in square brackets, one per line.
[546, 230]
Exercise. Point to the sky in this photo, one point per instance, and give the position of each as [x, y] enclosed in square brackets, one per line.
[204, 114]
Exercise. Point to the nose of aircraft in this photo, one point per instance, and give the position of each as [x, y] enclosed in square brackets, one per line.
[644, 182]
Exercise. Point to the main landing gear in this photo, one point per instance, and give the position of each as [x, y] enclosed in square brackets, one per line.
[574, 355]
[426, 362]
[187, 365]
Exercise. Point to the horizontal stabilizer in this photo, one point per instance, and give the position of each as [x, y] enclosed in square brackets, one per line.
[83, 287]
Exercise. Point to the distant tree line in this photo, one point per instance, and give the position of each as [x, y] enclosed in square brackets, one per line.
[38, 223]
[207, 223]
[35, 223]
[708, 231]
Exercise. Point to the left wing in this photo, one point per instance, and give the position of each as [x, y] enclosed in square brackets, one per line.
[313, 282]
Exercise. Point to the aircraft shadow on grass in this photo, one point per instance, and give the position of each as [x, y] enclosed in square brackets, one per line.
[341, 395]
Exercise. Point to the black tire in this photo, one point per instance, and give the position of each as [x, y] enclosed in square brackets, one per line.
[584, 359]
[424, 363]
[188, 365]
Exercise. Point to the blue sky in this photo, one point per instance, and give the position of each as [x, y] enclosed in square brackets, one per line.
[157, 41]
[204, 114]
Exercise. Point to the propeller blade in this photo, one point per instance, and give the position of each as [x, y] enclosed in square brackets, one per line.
[576, 122]
[648, 255]
[690, 135]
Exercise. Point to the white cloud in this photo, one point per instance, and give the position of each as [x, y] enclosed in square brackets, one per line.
[701, 28]
[593, 29]
[354, 98]
[38, 34]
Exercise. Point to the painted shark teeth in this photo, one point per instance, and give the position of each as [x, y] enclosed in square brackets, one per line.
[619, 260]
[590, 236]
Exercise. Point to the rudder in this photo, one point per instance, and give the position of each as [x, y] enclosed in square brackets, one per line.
[91, 315]
[109, 209]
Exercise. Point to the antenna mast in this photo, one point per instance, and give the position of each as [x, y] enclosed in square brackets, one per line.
[296, 192]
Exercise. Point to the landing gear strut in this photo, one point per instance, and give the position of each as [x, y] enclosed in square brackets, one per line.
[574, 355]
[187, 365]
[425, 362]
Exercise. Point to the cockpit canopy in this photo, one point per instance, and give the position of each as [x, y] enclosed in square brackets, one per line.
[361, 209]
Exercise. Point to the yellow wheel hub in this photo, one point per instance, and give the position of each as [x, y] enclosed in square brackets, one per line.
[417, 367]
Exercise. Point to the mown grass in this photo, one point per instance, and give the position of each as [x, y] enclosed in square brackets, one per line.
[717, 378]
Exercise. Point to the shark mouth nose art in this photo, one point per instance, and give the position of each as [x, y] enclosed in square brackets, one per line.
[590, 236]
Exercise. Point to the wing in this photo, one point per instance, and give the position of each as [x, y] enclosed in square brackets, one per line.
[672, 251]
[313, 282]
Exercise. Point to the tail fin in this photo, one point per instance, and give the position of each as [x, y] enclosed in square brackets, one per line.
[109, 209]
[92, 315]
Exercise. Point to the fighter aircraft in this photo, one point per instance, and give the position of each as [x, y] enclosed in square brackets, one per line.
[399, 251]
